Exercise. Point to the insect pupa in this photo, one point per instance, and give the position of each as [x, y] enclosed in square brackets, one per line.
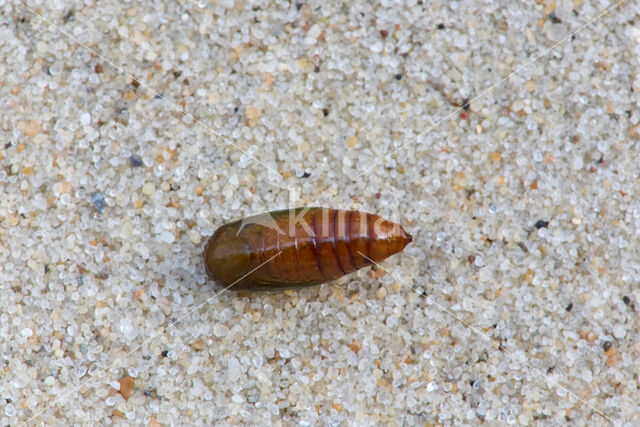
[309, 246]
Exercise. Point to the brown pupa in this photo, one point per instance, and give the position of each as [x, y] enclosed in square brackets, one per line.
[309, 246]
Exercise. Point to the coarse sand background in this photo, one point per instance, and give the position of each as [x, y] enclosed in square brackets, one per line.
[504, 136]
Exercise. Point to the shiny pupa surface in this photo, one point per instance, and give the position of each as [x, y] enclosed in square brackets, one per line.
[300, 247]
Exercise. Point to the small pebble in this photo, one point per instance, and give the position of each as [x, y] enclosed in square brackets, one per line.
[56, 68]
[197, 345]
[195, 236]
[85, 118]
[149, 188]
[220, 330]
[98, 201]
[135, 161]
[619, 331]
[613, 357]
[126, 386]
[233, 369]
[252, 113]
[541, 224]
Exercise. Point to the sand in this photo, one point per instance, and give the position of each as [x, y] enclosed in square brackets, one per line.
[504, 136]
